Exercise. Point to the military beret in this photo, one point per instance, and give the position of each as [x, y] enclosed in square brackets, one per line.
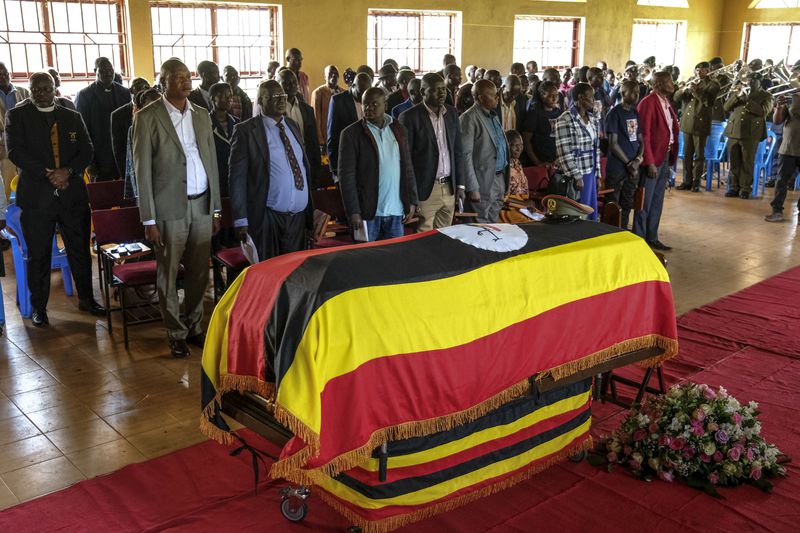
[562, 207]
[702, 64]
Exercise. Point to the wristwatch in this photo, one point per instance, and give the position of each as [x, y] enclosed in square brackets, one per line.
[217, 215]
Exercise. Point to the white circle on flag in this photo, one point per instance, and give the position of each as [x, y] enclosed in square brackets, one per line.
[492, 237]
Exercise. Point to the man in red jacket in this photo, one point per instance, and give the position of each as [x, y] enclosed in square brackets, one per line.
[659, 126]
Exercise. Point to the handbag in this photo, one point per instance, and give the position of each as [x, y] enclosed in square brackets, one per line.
[563, 186]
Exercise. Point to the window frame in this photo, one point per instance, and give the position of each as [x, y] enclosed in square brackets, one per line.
[680, 26]
[577, 39]
[453, 39]
[748, 26]
[213, 7]
[48, 47]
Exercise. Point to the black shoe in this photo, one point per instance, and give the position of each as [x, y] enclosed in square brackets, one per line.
[695, 188]
[178, 348]
[658, 245]
[770, 182]
[198, 340]
[684, 187]
[91, 306]
[40, 319]
[744, 195]
[732, 194]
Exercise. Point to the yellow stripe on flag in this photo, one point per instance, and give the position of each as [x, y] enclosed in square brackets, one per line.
[441, 490]
[368, 323]
[489, 434]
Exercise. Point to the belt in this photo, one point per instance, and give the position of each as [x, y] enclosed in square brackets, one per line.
[284, 213]
[445, 179]
[196, 196]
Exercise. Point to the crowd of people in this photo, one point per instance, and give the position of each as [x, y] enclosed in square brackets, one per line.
[402, 149]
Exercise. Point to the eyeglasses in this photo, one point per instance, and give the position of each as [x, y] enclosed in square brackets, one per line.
[277, 97]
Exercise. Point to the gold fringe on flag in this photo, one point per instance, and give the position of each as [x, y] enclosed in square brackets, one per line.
[394, 522]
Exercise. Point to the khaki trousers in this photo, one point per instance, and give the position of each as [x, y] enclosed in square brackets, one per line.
[694, 158]
[438, 210]
[187, 242]
[743, 157]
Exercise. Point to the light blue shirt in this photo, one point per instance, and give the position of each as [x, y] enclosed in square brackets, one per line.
[10, 99]
[499, 141]
[389, 203]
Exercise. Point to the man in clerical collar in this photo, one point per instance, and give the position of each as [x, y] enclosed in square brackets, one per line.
[209, 75]
[50, 145]
[95, 103]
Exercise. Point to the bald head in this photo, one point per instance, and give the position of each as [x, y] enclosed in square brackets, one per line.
[485, 94]
[361, 83]
[415, 91]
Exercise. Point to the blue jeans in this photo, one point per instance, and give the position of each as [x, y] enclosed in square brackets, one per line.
[380, 228]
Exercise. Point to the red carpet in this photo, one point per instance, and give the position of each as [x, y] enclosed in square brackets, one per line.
[748, 342]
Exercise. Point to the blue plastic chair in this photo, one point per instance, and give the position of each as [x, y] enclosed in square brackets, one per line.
[680, 145]
[19, 251]
[763, 157]
[714, 151]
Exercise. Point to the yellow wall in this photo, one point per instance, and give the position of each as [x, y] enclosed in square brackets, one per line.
[736, 13]
[336, 30]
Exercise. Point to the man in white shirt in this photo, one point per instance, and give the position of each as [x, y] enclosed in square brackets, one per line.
[177, 176]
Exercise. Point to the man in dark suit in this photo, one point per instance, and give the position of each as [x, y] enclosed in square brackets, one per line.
[452, 80]
[434, 141]
[404, 77]
[51, 147]
[121, 121]
[345, 109]
[377, 177]
[303, 115]
[95, 103]
[269, 173]
[209, 75]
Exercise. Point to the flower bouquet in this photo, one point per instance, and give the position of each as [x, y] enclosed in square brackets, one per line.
[697, 434]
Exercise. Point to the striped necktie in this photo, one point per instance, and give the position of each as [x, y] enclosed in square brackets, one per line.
[298, 174]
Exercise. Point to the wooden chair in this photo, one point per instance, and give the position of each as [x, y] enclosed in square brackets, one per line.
[108, 194]
[120, 226]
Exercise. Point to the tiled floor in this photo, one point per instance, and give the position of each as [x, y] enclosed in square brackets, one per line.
[75, 404]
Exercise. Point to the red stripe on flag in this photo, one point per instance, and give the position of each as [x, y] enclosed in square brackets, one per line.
[435, 383]
[255, 298]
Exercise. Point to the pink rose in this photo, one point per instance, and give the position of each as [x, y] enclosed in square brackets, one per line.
[688, 453]
[636, 465]
[737, 418]
[677, 443]
[705, 458]
[713, 477]
[734, 454]
[755, 474]
[666, 475]
[653, 428]
[612, 457]
[751, 454]
[697, 429]
[627, 450]
[718, 456]
[709, 393]
[664, 440]
[699, 415]
[639, 434]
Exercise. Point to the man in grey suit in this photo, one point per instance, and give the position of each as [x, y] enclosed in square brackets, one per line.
[178, 180]
[485, 152]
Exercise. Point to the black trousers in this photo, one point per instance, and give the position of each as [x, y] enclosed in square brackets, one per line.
[279, 233]
[624, 192]
[790, 164]
[38, 228]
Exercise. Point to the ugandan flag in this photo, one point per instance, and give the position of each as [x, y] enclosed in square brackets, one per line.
[380, 342]
[436, 473]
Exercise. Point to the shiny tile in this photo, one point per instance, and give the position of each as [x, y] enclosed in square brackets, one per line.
[16, 428]
[7, 498]
[83, 435]
[157, 442]
[43, 478]
[17, 384]
[106, 458]
[141, 420]
[61, 416]
[17, 365]
[26, 452]
[45, 398]
[8, 409]
[115, 402]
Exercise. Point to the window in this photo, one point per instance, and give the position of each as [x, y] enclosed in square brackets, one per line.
[663, 39]
[766, 4]
[418, 39]
[664, 3]
[245, 37]
[550, 41]
[65, 34]
[771, 41]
